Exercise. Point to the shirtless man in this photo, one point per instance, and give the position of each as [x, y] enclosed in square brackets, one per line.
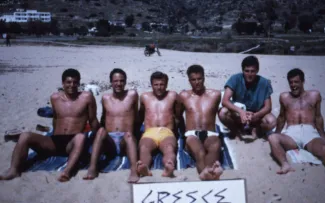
[255, 92]
[202, 141]
[72, 110]
[157, 109]
[300, 109]
[117, 135]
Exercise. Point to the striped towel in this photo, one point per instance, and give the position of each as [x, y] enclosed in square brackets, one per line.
[184, 160]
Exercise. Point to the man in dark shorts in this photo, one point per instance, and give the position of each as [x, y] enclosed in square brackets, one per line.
[71, 109]
[202, 140]
[116, 137]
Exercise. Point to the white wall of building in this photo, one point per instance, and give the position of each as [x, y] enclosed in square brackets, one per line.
[24, 16]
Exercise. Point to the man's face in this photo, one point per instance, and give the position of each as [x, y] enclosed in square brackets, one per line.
[296, 85]
[250, 73]
[118, 82]
[159, 87]
[70, 85]
[196, 81]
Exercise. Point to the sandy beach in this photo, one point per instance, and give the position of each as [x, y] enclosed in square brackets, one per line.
[29, 74]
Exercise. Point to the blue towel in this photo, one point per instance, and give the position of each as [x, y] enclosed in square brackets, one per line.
[184, 160]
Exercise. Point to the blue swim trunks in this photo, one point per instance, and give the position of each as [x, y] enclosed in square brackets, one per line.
[117, 137]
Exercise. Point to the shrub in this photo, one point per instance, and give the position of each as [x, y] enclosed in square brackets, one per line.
[305, 23]
[129, 20]
[63, 10]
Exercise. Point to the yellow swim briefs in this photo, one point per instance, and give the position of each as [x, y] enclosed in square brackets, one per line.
[157, 134]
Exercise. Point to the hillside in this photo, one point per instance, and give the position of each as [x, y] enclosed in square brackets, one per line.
[178, 13]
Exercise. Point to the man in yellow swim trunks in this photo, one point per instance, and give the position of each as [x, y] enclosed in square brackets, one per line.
[157, 109]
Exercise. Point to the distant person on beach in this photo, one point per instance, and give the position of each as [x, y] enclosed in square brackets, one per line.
[157, 109]
[72, 109]
[300, 110]
[8, 37]
[116, 136]
[254, 91]
[202, 141]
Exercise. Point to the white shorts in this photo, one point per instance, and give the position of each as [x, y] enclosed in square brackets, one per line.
[194, 132]
[302, 134]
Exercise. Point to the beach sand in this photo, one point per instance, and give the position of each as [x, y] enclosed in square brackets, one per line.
[29, 74]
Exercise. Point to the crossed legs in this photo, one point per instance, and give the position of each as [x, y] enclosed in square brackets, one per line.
[206, 156]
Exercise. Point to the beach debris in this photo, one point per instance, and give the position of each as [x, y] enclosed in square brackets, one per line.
[12, 135]
[94, 89]
[275, 198]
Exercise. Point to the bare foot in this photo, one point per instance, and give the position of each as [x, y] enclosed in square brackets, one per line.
[169, 169]
[286, 168]
[254, 134]
[211, 173]
[9, 175]
[133, 178]
[143, 170]
[91, 174]
[64, 177]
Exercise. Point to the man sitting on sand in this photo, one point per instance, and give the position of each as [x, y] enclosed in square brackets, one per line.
[72, 109]
[119, 112]
[300, 109]
[255, 92]
[201, 107]
[157, 109]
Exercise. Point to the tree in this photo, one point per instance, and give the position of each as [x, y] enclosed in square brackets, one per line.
[129, 20]
[146, 26]
[3, 27]
[306, 22]
[103, 28]
[54, 28]
[14, 27]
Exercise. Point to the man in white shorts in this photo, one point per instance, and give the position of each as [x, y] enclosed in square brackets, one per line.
[300, 109]
[202, 140]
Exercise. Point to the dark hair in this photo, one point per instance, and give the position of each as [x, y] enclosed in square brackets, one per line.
[116, 70]
[195, 69]
[70, 73]
[158, 75]
[294, 72]
[250, 61]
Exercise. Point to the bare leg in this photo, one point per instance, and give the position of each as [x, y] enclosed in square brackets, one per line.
[317, 148]
[131, 152]
[229, 121]
[268, 123]
[74, 148]
[278, 144]
[27, 140]
[168, 148]
[146, 147]
[212, 146]
[195, 147]
[101, 137]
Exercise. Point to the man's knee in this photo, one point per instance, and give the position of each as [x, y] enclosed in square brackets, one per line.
[80, 139]
[223, 112]
[25, 137]
[128, 137]
[214, 147]
[269, 120]
[274, 138]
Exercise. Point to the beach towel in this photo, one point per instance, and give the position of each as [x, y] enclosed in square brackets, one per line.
[184, 160]
[302, 156]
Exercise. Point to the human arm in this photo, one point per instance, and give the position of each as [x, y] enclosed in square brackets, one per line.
[319, 121]
[54, 112]
[280, 122]
[266, 109]
[92, 113]
[230, 106]
[141, 111]
[179, 110]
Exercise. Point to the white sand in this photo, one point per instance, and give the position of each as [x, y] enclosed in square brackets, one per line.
[22, 93]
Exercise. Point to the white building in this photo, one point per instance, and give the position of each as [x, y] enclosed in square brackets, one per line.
[21, 16]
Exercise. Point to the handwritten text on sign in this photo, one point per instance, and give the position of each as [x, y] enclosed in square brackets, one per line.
[222, 191]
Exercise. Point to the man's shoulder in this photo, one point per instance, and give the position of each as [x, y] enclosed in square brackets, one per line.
[172, 93]
[184, 93]
[146, 95]
[285, 95]
[213, 92]
[132, 92]
[314, 94]
[55, 96]
[264, 80]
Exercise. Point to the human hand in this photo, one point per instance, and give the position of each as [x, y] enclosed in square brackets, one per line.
[243, 117]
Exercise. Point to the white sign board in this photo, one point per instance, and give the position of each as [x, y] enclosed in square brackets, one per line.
[221, 191]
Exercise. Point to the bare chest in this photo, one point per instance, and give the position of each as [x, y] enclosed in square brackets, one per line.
[115, 107]
[70, 109]
[159, 106]
[202, 104]
[300, 104]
